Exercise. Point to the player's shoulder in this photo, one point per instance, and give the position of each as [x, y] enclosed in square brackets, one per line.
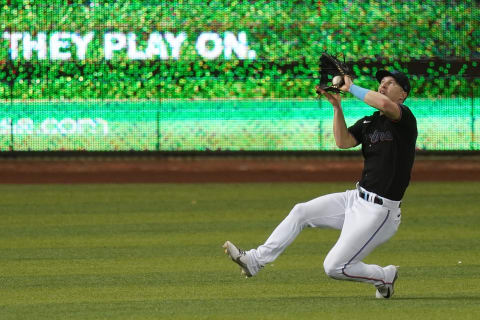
[406, 111]
[404, 107]
[407, 119]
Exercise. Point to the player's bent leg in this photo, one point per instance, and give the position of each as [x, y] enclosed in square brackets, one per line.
[382, 278]
[357, 271]
[325, 211]
[366, 226]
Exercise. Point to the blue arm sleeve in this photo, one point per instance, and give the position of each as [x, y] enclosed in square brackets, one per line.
[358, 92]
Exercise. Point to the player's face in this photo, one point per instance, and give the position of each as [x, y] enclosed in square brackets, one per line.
[390, 88]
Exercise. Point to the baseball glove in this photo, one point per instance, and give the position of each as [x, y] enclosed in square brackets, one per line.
[332, 72]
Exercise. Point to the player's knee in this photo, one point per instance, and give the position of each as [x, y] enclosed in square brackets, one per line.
[332, 268]
[298, 212]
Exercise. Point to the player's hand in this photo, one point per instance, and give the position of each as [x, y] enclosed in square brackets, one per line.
[348, 82]
[333, 98]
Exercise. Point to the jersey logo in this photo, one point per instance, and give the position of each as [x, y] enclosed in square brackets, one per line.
[377, 136]
[366, 121]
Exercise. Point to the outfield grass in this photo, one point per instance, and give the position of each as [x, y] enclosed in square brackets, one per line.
[154, 251]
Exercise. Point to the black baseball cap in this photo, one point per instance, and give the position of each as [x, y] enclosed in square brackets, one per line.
[400, 77]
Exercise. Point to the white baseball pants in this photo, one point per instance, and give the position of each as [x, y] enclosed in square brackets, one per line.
[364, 226]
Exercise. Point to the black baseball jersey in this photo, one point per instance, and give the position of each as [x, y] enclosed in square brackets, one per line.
[388, 148]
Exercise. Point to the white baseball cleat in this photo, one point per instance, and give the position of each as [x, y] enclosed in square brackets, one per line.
[239, 257]
[385, 290]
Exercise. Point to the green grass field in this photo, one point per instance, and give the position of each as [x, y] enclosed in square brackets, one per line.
[154, 251]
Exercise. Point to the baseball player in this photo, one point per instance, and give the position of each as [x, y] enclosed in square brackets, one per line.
[368, 215]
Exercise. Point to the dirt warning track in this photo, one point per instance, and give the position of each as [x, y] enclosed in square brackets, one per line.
[218, 169]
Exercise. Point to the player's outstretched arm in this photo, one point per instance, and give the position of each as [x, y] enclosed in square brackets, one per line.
[374, 99]
[383, 103]
[343, 138]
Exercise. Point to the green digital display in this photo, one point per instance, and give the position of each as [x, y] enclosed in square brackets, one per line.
[226, 75]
